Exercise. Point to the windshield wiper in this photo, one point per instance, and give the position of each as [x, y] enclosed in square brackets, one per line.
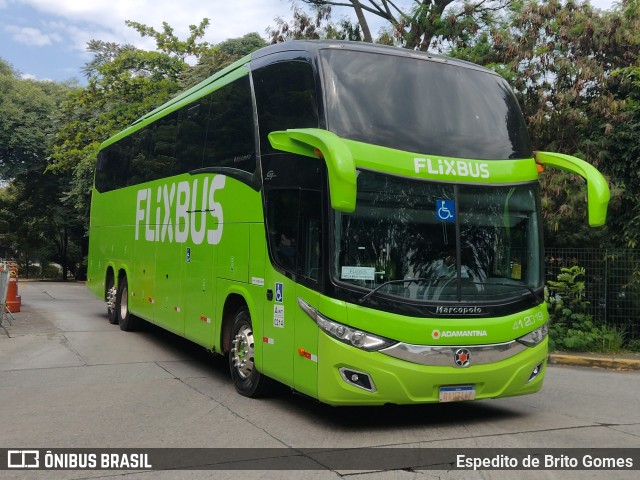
[392, 282]
[535, 295]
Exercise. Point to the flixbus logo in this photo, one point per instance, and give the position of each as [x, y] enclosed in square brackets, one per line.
[455, 168]
[177, 212]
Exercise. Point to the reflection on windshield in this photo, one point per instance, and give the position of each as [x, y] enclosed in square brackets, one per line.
[403, 229]
[421, 105]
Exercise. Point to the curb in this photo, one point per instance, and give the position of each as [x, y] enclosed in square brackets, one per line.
[611, 363]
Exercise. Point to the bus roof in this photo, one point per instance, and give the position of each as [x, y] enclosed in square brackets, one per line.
[311, 47]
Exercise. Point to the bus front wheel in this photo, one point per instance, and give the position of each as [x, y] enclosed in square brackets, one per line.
[246, 378]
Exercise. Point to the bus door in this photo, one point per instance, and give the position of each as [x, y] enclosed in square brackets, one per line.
[294, 229]
[286, 96]
[278, 326]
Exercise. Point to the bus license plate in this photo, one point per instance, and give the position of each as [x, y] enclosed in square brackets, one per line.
[458, 393]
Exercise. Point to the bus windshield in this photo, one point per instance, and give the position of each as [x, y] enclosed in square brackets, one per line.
[425, 106]
[460, 242]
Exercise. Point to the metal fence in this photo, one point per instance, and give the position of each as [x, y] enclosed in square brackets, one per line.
[612, 282]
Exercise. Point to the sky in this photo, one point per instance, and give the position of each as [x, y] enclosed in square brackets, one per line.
[46, 39]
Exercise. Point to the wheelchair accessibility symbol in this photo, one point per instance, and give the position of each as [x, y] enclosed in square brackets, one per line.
[445, 210]
[279, 292]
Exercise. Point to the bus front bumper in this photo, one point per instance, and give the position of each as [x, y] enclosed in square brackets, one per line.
[350, 376]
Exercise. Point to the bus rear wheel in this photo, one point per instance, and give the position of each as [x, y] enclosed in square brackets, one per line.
[246, 378]
[126, 320]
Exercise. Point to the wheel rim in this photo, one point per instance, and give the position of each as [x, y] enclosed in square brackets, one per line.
[242, 352]
[124, 303]
[111, 299]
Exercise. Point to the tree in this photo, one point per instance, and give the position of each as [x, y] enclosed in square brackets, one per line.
[426, 23]
[241, 46]
[26, 110]
[560, 57]
[313, 26]
[41, 226]
[362, 20]
[167, 42]
[622, 157]
[124, 84]
[220, 56]
[31, 207]
[103, 52]
[37, 222]
[301, 26]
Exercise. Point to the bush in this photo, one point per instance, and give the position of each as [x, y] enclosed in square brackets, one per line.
[633, 345]
[571, 326]
[50, 271]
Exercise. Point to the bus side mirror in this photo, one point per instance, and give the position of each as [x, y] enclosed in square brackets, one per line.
[597, 188]
[314, 142]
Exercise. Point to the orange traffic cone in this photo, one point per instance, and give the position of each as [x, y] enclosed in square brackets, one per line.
[13, 299]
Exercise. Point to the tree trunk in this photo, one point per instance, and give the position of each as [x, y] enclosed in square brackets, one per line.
[362, 21]
[65, 259]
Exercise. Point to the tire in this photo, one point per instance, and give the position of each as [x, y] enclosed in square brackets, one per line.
[111, 300]
[246, 378]
[126, 320]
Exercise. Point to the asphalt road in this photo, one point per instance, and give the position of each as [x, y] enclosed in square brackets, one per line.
[69, 379]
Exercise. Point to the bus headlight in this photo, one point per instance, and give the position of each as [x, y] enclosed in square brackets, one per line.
[534, 337]
[351, 336]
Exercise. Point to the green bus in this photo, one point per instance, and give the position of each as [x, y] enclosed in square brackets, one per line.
[359, 223]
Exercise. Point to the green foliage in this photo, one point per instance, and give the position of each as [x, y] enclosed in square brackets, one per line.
[27, 121]
[220, 56]
[35, 221]
[561, 59]
[566, 306]
[571, 327]
[50, 134]
[633, 345]
[40, 225]
[613, 339]
[103, 52]
[424, 24]
[239, 47]
[124, 84]
[621, 156]
[315, 25]
[168, 43]
[304, 26]
[575, 71]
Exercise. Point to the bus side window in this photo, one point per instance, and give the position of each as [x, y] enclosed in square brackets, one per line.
[192, 135]
[114, 165]
[155, 151]
[230, 140]
[294, 222]
[282, 210]
[141, 146]
[311, 222]
[286, 98]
